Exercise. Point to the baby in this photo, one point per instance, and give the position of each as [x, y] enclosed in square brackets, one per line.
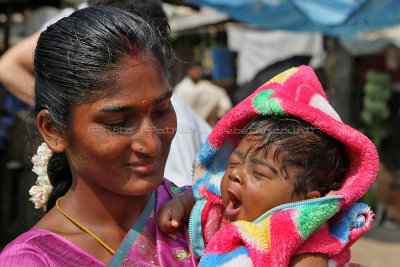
[288, 188]
[278, 160]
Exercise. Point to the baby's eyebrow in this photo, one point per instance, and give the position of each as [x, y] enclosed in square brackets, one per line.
[238, 152]
[256, 160]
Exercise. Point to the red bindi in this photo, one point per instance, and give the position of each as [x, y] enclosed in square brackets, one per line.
[145, 103]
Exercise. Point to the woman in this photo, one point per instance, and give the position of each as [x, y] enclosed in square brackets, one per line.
[102, 102]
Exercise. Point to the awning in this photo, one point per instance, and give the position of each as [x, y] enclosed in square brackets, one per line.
[184, 18]
[331, 17]
[366, 43]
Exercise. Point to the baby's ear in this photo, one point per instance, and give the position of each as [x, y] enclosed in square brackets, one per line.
[313, 194]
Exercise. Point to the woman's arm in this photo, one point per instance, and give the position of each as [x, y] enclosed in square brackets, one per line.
[309, 259]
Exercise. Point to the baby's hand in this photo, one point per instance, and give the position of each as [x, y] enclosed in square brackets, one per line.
[170, 216]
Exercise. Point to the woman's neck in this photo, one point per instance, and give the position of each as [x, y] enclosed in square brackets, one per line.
[100, 207]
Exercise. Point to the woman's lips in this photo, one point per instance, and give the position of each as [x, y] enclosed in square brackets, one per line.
[234, 206]
[143, 168]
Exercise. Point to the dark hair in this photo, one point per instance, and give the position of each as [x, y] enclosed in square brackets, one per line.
[150, 9]
[193, 64]
[321, 157]
[78, 58]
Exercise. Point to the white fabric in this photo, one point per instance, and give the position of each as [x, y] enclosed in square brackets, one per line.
[206, 98]
[186, 84]
[38, 17]
[185, 18]
[192, 131]
[258, 49]
[319, 102]
[63, 13]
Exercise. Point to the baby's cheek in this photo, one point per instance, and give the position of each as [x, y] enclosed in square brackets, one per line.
[224, 188]
[225, 199]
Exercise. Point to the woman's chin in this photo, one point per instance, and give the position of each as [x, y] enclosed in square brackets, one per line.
[141, 186]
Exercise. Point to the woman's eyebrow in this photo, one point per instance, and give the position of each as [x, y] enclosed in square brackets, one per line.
[166, 95]
[256, 160]
[116, 108]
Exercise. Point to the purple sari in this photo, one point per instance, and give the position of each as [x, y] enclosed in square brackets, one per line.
[39, 247]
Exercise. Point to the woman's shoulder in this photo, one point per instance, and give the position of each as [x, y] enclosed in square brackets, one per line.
[38, 247]
[30, 239]
[25, 249]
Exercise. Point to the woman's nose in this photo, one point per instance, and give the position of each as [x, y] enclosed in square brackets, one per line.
[237, 175]
[147, 140]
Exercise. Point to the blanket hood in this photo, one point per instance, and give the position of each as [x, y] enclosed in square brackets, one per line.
[295, 92]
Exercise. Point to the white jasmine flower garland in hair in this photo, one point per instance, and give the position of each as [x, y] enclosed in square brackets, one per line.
[40, 192]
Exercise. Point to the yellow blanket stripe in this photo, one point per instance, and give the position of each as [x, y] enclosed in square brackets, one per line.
[257, 234]
[282, 77]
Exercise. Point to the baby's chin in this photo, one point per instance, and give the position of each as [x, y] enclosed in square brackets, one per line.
[244, 217]
[240, 217]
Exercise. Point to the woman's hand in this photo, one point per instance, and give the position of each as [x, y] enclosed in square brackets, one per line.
[173, 213]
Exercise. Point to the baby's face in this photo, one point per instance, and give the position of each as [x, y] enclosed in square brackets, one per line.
[254, 183]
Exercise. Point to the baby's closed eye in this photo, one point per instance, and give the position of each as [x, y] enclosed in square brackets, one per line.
[260, 173]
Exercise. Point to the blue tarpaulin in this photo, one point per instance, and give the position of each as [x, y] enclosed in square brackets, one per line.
[222, 64]
[331, 17]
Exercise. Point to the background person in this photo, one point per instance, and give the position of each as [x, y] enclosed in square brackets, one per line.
[210, 101]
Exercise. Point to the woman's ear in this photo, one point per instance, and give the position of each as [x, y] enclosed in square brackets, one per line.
[313, 194]
[49, 131]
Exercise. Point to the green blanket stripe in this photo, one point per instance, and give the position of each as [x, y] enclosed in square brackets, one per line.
[266, 105]
[313, 217]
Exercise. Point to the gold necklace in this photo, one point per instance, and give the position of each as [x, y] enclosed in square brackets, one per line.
[83, 227]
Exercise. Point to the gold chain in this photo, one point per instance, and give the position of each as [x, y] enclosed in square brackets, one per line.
[83, 227]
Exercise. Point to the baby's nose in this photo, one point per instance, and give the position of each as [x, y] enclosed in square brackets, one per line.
[236, 175]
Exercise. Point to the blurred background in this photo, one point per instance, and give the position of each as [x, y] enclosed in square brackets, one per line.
[225, 49]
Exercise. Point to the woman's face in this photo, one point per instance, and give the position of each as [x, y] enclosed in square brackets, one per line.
[120, 143]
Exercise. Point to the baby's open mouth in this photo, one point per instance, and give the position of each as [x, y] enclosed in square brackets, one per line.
[234, 206]
[238, 204]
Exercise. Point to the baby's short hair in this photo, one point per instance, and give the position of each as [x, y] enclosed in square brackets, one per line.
[321, 158]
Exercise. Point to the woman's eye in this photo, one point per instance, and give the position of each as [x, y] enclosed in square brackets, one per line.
[122, 127]
[163, 109]
[114, 124]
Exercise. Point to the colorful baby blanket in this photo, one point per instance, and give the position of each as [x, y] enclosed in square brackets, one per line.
[328, 225]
